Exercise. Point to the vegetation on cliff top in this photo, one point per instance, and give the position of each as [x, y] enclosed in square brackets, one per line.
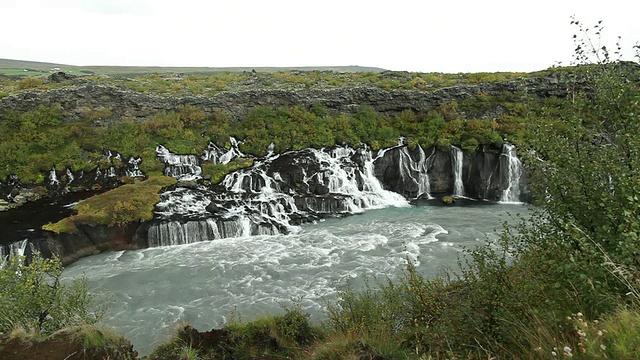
[35, 142]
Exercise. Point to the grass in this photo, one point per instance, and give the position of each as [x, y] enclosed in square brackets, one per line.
[270, 337]
[117, 207]
[93, 337]
[23, 72]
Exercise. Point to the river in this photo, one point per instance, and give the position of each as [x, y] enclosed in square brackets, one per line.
[205, 283]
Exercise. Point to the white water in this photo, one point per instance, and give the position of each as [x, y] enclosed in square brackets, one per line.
[134, 167]
[509, 159]
[255, 204]
[183, 167]
[415, 171]
[456, 165]
[53, 178]
[16, 248]
[203, 283]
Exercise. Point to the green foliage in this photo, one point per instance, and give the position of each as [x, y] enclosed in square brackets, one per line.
[33, 298]
[36, 141]
[216, 172]
[587, 181]
[118, 207]
[617, 336]
[96, 338]
[579, 252]
[269, 337]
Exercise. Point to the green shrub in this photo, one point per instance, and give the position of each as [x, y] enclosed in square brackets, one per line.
[33, 298]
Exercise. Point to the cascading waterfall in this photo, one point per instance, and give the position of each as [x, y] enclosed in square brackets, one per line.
[456, 166]
[509, 160]
[133, 169]
[70, 176]
[53, 178]
[359, 184]
[258, 201]
[16, 248]
[424, 188]
[415, 172]
[110, 172]
[182, 167]
[218, 155]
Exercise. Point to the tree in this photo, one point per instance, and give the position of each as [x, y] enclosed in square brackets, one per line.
[586, 174]
[32, 297]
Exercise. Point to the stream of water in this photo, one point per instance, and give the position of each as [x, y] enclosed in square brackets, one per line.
[204, 283]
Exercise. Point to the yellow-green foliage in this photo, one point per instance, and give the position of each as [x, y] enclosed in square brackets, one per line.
[269, 337]
[218, 171]
[618, 335]
[93, 337]
[118, 207]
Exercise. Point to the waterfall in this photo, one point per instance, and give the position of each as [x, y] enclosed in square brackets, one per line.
[16, 248]
[110, 172]
[53, 178]
[424, 188]
[176, 233]
[182, 167]
[415, 172]
[233, 152]
[133, 169]
[19, 248]
[218, 155]
[270, 150]
[509, 161]
[457, 158]
[261, 201]
[70, 176]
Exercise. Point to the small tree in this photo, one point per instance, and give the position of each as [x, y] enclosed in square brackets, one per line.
[33, 298]
[586, 175]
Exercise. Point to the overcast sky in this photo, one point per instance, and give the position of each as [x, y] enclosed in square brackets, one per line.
[428, 36]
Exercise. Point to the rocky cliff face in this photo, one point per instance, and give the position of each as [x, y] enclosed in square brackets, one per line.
[82, 97]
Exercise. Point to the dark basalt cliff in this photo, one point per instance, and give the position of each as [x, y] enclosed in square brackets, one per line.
[83, 96]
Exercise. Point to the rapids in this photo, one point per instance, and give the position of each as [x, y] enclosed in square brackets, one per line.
[206, 283]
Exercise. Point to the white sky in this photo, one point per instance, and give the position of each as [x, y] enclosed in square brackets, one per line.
[428, 36]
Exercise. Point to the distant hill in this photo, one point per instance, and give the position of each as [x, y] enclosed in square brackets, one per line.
[20, 67]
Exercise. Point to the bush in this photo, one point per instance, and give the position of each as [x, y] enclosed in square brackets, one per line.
[33, 298]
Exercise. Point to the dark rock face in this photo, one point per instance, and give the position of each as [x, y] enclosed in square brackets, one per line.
[85, 96]
[91, 240]
[60, 76]
[485, 173]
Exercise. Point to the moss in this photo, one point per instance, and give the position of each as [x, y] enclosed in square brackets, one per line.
[448, 199]
[118, 207]
[216, 172]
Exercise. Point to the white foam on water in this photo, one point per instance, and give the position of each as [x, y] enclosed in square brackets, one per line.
[155, 289]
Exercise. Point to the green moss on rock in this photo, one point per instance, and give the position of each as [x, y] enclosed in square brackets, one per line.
[117, 207]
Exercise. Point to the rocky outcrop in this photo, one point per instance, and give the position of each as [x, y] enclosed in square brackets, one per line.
[90, 240]
[79, 99]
